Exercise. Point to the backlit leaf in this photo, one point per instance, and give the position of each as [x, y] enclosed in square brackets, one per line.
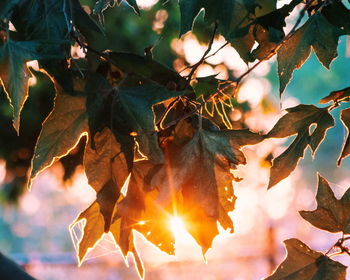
[302, 263]
[61, 131]
[331, 214]
[205, 199]
[106, 169]
[144, 210]
[337, 96]
[93, 230]
[317, 33]
[15, 74]
[298, 121]
[345, 117]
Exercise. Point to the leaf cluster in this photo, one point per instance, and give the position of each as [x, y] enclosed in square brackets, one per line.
[151, 131]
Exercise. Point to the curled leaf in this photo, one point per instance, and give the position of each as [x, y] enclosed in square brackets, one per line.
[331, 214]
[337, 96]
[345, 118]
[303, 263]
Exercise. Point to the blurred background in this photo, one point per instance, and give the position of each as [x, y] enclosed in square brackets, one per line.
[34, 226]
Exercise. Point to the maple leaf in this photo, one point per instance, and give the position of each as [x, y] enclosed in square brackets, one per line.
[127, 111]
[144, 210]
[207, 199]
[302, 263]
[228, 14]
[93, 232]
[317, 33]
[298, 121]
[15, 74]
[61, 131]
[337, 96]
[38, 20]
[345, 117]
[331, 214]
[206, 86]
[146, 70]
[106, 169]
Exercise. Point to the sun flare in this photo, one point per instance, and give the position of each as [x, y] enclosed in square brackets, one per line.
[178, 228]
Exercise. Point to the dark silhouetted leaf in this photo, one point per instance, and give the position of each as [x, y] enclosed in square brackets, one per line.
[127, 111]
[302, 263]
[61, 131]
[298, 121]
[317, 33]
[345, 117]
[337, 96]
[10, 270]
[6, 8]
[331, 214]
[148, 70]
[43, 20]
[337, 14]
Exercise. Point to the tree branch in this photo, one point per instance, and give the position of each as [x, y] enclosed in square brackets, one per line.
[195, 66]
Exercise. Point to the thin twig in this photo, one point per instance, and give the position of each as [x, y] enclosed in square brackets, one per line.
[194, 67]
[208, 56]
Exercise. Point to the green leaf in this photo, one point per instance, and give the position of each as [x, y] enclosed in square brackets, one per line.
[15, 74]
[61, 131]
[229, 14]
[317, 33]
[6, 8]
[82, 19]
[205, 199]
[134, 105]
[43, 20]
[345, 118]
[147, 70]
[128, 112]
[302, 263]
[206, 86]
[331, 214]
[298, 120]
[337, 96]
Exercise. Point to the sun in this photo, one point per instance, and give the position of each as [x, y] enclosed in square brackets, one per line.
[178, 228]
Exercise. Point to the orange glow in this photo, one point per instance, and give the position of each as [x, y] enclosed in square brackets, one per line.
[178, 228]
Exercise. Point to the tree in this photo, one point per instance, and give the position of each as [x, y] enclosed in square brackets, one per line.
[149, 127]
